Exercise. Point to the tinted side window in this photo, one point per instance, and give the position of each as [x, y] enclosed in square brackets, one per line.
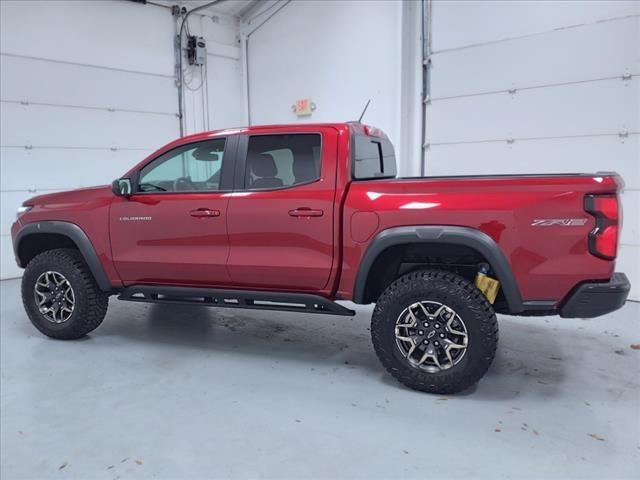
[277, 161]
[194, 167]
[373, 157]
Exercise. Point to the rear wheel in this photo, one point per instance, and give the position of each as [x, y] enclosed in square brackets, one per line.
[434, 331]
[61, 296]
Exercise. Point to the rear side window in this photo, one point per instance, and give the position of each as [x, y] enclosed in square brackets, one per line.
[373, 157]
[279, 161]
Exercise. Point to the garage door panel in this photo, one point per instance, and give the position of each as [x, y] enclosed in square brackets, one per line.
[569, 55]
[91, 32]
[540, 156]
[591, 108]
[35, 125]
[460, 23]
[42, 168]
[67, 84]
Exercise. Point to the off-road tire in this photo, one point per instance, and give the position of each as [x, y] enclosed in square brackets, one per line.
[451, 290]
[90, 302]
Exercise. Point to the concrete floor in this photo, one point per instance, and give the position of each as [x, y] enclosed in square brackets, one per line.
[192, 392]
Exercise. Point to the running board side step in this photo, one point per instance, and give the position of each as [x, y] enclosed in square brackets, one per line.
[258, 300]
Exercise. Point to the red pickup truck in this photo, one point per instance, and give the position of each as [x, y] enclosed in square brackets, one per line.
[295, 217]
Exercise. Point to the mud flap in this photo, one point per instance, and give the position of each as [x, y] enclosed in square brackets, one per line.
[488, 286]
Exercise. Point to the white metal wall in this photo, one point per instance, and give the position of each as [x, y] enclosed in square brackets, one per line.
[218, 102]
[528, 87]
[338, 54]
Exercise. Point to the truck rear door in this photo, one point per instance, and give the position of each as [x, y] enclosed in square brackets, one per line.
[281, 214]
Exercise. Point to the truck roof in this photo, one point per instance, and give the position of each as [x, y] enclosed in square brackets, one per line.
[291, 127]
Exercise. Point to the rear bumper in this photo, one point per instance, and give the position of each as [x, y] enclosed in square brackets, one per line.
[594, 299]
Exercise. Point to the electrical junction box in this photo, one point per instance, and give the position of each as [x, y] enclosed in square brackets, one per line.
[196, 50]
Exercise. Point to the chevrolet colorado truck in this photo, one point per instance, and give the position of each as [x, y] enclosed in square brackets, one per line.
[297, 217]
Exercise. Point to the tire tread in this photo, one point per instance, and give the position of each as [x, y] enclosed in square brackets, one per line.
[443, 382]
[95, 301]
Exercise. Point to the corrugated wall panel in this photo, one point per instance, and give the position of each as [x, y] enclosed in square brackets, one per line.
[602, 50]
[26, 169]
[471, 22]
[65, 127]
[607, 107]
[114, 34]
[69, 84]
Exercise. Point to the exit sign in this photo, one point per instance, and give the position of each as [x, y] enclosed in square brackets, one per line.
[303, 107]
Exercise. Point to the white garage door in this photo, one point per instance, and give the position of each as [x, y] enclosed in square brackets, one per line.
[67, 120]
[527, 87]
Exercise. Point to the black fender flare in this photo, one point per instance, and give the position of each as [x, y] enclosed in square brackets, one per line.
[466, 236]
[75, 234]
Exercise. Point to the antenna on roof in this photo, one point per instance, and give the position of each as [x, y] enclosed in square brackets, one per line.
[363, 111]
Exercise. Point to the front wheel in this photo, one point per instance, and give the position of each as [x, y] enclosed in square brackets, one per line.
[434, 331]
[61, 296]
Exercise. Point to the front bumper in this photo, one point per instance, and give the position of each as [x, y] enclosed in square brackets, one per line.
[594, 299]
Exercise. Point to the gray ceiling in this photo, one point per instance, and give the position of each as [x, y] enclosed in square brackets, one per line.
[235, 8]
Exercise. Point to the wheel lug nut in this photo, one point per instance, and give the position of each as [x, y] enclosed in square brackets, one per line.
[426, 325]
[425, 342]
[442, 335]
[436, 343]
[437, 325]
[420, 332]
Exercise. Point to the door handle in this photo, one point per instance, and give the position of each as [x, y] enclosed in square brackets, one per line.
[204, 213]
[305, 212]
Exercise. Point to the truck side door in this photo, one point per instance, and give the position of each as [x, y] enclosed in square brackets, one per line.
[281, 214]
[172, 229]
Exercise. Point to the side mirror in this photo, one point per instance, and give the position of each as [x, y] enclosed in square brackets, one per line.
[122, 187]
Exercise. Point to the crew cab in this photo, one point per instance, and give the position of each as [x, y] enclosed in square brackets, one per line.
[299, 217]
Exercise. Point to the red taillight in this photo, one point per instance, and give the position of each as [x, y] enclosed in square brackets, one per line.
[603, 240]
